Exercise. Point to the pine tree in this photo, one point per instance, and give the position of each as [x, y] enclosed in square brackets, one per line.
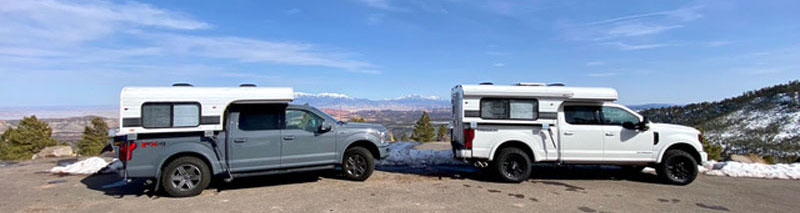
[441, 133]
[357, 120]
[423, 130]
[94, 138]
[30, 137]
[404, 137]
[391, 137]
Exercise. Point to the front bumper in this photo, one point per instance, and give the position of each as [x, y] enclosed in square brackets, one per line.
[383, 149]
[703, 158]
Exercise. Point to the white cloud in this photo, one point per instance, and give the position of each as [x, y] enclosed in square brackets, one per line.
[293, 11]
[54, 35]
[638, 29]
[595, 63]
[499, 65]
[681, 14]
[601, 74]
[624, 46]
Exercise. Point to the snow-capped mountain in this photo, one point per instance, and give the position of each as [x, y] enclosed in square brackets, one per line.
[766, 121]
[345, 102]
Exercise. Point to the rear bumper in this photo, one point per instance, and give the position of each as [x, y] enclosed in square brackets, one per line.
[460, 152]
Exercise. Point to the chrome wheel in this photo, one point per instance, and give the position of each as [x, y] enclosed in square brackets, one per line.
[186, 177]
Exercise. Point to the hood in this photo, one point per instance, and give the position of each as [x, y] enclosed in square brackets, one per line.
[364, 125]
[673, 127]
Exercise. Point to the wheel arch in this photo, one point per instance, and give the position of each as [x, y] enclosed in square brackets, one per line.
[683, 146]
[514, 143]
[369, 145]
[177, 155]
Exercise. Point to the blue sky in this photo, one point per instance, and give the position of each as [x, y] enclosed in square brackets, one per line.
[84, 52]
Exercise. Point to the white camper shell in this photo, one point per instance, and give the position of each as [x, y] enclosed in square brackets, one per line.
[509, 127]
[187, 108]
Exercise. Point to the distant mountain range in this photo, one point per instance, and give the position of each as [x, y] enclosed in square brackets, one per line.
[765, 121]
[344, 102]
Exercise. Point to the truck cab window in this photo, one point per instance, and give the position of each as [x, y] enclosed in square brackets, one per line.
[303, 120]
[582, 114]
[617, 116]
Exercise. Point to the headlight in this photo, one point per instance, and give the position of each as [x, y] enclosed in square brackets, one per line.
[383, 137]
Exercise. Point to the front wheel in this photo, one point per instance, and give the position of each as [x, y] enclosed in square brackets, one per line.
[358, 164]
[512, 165]
[678, 167]
[185, 176]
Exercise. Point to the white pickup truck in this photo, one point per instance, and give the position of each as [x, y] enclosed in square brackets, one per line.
[507, 128]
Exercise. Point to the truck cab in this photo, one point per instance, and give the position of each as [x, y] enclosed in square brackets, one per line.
[184, 136]
[509, 127]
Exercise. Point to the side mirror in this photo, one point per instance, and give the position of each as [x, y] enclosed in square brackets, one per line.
[645, 124]
[629, 125]
[325, 127]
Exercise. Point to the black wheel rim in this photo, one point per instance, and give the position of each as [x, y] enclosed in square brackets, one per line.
[680, 169]
[186, 177]
[514, 167]
[355, 165]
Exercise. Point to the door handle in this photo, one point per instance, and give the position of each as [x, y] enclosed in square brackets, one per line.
[239, 140]
[288, 138]
[569, 133]
[609, 134]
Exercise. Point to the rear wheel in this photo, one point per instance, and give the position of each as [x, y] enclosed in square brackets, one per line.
[185, 176]
[358, 164]
[512, 165]
[678, 167]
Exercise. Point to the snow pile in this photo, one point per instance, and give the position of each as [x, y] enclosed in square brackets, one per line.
[85, 167]
[755, 170]
[404, 154]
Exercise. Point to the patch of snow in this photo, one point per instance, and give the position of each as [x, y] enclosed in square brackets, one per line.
[754, 170]
[415, 96]
[85, 167]
[404, 154]
[324, 94]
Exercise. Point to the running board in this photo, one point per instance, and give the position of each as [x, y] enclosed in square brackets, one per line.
[283, 171]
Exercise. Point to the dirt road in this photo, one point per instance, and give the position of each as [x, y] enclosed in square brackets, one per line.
[26, 189]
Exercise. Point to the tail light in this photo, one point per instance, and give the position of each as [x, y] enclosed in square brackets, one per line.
[126, 150]
[469, 135]
[700, 138]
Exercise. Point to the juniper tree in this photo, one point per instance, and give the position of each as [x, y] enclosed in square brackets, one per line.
[94, 138]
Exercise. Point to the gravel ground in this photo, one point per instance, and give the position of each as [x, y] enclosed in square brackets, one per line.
[564, 189]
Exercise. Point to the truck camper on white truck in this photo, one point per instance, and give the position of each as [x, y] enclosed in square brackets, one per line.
[507, 128]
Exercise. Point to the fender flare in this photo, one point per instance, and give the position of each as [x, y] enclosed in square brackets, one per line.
[356, 138]
[664, 149]
[191, 149]
[534, 156]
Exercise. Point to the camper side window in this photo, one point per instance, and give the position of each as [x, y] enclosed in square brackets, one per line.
[514, 109]
[165, 115]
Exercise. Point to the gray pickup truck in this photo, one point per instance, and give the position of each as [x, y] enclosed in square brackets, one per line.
[257, 139]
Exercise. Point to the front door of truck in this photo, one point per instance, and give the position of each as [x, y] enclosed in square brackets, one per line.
[581, 133]
[303, 142]
[255, 136]
[621, 144]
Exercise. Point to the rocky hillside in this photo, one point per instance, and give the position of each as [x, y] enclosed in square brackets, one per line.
[765, 121]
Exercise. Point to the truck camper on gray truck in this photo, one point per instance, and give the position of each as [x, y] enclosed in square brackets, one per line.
[506, 128]
[182, 136]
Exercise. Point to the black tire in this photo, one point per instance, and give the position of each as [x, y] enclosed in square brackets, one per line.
[678, 167]
[512, 165]
[185, 177]
[357, 164]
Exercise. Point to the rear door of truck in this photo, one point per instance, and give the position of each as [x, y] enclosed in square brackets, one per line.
[254, 137]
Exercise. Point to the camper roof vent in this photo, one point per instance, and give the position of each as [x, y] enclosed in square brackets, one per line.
[486, 83]
[555, 84]
[182, 84]
[531, 84]
[247, 85]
